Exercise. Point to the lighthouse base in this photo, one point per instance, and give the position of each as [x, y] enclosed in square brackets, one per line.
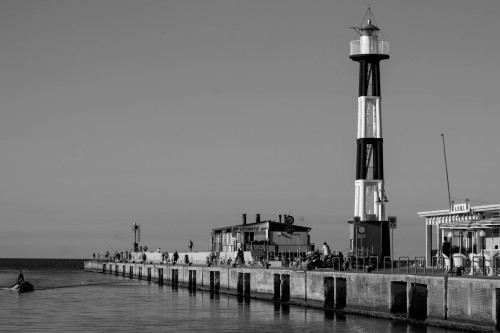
[375, 241]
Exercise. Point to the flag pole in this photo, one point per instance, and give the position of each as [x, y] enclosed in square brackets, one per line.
[446, 167]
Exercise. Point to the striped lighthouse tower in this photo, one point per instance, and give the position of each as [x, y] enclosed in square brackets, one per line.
[370, 230]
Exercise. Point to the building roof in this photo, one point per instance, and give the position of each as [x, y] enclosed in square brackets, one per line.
[460, 214]
[273, 226]
[475, 209]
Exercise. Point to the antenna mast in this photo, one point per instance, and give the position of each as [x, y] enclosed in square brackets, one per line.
[446, 167]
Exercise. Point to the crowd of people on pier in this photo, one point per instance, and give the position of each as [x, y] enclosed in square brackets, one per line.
[321, 258]
[141, 252]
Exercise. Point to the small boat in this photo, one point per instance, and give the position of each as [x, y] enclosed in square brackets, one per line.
[23, 287]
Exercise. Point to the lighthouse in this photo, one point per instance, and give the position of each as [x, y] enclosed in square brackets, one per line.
[369, 230]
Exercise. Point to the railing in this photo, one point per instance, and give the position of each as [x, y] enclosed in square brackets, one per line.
[437, 263]
[371, 259]
[407, 264]
[291, 254]
[340, 264]
[380, 47]
[420, 262]
[477, 264]
[390, 261]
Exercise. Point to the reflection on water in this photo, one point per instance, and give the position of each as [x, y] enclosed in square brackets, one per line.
[214, 296]
[72, 300]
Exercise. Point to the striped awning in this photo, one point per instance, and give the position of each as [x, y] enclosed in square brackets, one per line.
[459, 225]
[449, 218]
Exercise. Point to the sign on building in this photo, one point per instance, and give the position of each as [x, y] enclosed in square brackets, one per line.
[460, 208]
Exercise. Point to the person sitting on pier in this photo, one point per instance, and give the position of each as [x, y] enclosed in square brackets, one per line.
[326, 251]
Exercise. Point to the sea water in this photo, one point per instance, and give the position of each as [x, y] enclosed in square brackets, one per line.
[67, 299]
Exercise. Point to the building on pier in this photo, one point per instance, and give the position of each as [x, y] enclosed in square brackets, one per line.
[472, 228]
[262, 236]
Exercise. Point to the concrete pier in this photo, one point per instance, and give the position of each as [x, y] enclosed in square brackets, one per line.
[471, 304]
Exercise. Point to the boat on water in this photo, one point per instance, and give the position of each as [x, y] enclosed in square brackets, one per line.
[23, 287]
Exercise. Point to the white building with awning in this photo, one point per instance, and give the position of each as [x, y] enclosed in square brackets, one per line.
[473, 227]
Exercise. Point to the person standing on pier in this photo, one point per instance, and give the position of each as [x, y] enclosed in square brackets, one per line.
[175, 257]
[190, 245]
[240, 257]
[446, 250]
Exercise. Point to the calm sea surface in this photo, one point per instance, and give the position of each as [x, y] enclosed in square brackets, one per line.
[67, 299]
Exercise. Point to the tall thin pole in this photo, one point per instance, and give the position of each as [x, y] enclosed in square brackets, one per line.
[446, 166]
[392, 250]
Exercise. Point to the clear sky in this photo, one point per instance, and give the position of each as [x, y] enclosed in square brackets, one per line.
[182, 115]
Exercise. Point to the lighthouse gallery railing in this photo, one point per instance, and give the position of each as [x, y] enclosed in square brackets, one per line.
[381, 47]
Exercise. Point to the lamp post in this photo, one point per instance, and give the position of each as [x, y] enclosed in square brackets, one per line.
[482, 234]
[450, 237]
[381, 203]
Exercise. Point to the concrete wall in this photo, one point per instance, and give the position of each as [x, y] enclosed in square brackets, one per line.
[477, 298]
[437, 300]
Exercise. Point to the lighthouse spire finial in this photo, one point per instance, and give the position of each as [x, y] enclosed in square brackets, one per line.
[368, 26]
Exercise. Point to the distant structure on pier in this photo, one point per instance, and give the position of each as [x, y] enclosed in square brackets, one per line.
[369, 230]
[263, 236]
[136, 228]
